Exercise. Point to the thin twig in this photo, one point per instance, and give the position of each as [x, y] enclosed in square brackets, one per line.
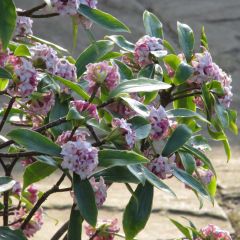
[3, 165]
[48, 15]
[28, 12]
[41, 200]
[91, 130]
[60, 231]
[95, 90]
[105, 104]
[5, 116]
[186, 95]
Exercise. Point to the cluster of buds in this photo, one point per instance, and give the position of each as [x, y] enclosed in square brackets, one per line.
[205, 175]
[213, 232]
[159, 122]
[162, 166]
[144, 47]
[102, 73]
[105, 230]
[23, 26]
[122, 128]
[79, 157]
[65, 137]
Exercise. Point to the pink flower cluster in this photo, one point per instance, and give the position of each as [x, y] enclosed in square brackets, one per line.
[69, 7]
[41, 105]
[102, 73]
[206, 70]
[213, 232]
[23, 26]
[66, 70]
[26, 81]
[82, 106]
[162, 166]
[32, 194]
[100, 190]
[105, 230]
[159, 122]
[33, 226]
[65, 137]
[126, 131]
[205, 175]
[79, 157]
[144, 47]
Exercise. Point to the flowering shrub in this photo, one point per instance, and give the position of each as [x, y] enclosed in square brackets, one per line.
[133, 115]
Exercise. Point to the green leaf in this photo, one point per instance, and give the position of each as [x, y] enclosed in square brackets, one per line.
[179, 137]
[156, 181]
[119, 174]
[182, 229]
[122, 42]
[110, 157]
[6, 183]
[9, 234]
[172, 60]
[183, 73]
[92, 54]
[85, 198]
[153, 26]
[186, 40]
[110, 56]
[191, 182]
[124, 70]
[47, 160]
[73, 114]
[53, 45]
[199, 142]
[3, 84]
[138, 211]
[22, 51]
[212, 186]
[227, 149]
[200, 156]
[147, 72]
[222, 115]
[185, 113]
[103, 19]
[138, 85]
[204, 40]
[136, 106]
[35, 172]
[232, 115]
[102, 126]
[75, 225]
[5, 75]
[141, 126]
[73, 86]
[8, 18]
[34, 141]
[188, 161]
[136, 170]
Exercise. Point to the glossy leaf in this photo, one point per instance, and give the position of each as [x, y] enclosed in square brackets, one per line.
[85, 198]
[122, 42]
[9, 234]
[103, 19]
[22, 51]
[138, 211]
[141, 126]
[110, 157]
[124, 70]
[34, 141]
[188, 161]
[152, 24]
[182, 229]
[186, 39]
[75, 225]
[172, 60]
[183, 73]
[179, 137]
[138, 85]
[8, 18]
[92, 54]
[6, 183]
[35, 172]
[5, 75]
[3, 84]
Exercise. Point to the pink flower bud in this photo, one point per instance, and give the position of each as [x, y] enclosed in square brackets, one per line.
[65, 137]
[23, 26]
[16, 189]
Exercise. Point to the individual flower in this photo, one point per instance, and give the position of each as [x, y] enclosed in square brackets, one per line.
[205, 176]
[42, 104]
[144, 47]
[100, 190]
[16, 189]
[122, 127]
[32, 194]
[213, 232]
[105, 230]
[89, 3]
[44, 57]
[102, 73]
[66, 70]
[162, 166]
[82, 106]
[26, 81]
[65, 7]
[26, 162]
[65, 136]
[159, 122]
[79, 157]
[34, 224]
[23, 26]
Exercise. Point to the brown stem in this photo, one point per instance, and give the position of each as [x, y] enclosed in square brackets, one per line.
[40, 129]
[91, 130]
[20, 154]
[41, 200]
[48, 15]
[5, 116]
[105, 104]
[60, 231]
[96, 87]
[29, 12]
[186, 95]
